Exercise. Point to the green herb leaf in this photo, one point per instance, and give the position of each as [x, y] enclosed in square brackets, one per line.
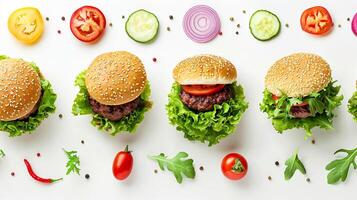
[321, 106]
[73, 162]
[339, 168]
[129, 123]
[2, 153]
[210, 126]
[179, 165]
[352, 106]
[293, 164]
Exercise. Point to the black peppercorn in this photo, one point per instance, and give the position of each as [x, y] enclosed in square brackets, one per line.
[277, 163]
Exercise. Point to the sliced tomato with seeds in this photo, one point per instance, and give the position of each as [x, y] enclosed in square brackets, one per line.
[316, 20]
[202, 90]
[274, 97]
[87, 23]
[26, 24]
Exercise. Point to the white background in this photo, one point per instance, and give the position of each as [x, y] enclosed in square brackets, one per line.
[62, 57]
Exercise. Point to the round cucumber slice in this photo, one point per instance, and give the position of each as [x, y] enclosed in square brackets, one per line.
[142, 26]
[264, 25]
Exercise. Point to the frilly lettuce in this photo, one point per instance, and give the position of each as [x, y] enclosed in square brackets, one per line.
[47, 106]
[210, 126]
[129, 123]
[321, 106]
[352, 106]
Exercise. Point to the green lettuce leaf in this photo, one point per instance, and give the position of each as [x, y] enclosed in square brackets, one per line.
[210, 126]
[129, 123]
[321, 106]
[352, 106]
[47, 106]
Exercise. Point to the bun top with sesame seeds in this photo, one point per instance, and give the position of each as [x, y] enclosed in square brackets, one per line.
[204, 70]
[298, 75]
[20, 89]
[115, 78]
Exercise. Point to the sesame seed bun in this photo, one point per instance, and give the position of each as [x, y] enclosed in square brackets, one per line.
[115, 78]
[298, 75]
[205, 70]
[20, 89]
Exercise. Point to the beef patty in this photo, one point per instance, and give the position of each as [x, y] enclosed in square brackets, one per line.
[300, 112]
[114, 113]
[206, 103]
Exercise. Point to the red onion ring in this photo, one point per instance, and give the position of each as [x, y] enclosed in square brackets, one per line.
[354, 24]
[201, 23]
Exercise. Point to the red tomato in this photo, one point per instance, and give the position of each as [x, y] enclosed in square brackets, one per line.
[202, 90]
[234, 166]
[274, 97]
[301, 104]
[123, 164]
[87, 23]
[316, 20]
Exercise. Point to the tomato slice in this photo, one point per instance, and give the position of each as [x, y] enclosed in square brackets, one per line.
[26, 24]
[301, 104]
[316, 20]
[202, 90]
[274, 97]
[88, 24]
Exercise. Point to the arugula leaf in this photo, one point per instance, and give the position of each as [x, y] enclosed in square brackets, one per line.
[73, 162]
[178, 165]
[293, 164]
[210, 126]
[321, 106]
[2, 153]
[339, 168]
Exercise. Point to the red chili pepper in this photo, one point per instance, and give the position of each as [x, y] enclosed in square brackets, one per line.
[37, 178]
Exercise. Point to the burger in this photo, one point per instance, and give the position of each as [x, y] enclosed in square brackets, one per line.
[26, 97]
[352, 105]
[205, 102]
[115, 91]
[300, 93]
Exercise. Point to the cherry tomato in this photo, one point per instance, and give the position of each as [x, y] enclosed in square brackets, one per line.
[202, 90]
[234, 166]
[123, 164]
[316, 20]
[26, 24]
[274, 97]
[88, 24]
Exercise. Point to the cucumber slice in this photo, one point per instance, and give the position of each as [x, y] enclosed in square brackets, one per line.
[142, 26]
[264, 25]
